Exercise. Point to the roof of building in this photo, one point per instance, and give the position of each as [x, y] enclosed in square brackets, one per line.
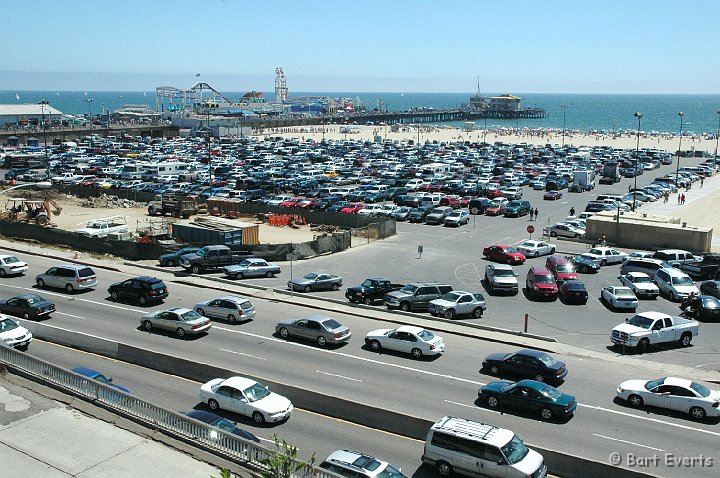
[505, 97]
[29, 109]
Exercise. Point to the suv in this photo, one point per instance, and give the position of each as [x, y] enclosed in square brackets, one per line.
[415, 295]
[643, 264]
[70, 277]
[675, 284]
[438, 214]
[561, 268]
[517, 208]
[143, 289]
[353, 464]
[453, 443]
[676, 257]
[541, 283]
[501, 278]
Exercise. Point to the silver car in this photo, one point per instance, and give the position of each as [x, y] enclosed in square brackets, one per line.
[253, 267]
[70, 277]
[318, 328]
[457, 303]
[178, 319]
[315, 281]
[564, 230]
[230, 307]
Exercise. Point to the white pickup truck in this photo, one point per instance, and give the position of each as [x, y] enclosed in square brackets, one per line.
[648, 328]
[102, 227]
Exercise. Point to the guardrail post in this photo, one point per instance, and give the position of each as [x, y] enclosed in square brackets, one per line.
[526, 323]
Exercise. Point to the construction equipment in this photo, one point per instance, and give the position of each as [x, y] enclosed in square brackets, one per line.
[25, 210]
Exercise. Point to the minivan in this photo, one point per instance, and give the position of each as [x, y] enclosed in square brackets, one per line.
[70, 277]
[675, 284]
[476, 449]
[643, 264]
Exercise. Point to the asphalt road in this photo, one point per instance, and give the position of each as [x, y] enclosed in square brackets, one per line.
[441, 386]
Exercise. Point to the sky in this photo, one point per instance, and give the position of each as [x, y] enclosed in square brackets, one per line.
[523, 46]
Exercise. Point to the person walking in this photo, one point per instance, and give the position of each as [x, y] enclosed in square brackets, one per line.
[682, 199]
[702, 181]
[531, 214]
[536, 214]
[572, 211]
[679, 196]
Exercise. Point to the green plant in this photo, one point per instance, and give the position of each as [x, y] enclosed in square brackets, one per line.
[224, 473]
[283, 462]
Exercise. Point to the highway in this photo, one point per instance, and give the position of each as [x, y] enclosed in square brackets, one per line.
[440, 386]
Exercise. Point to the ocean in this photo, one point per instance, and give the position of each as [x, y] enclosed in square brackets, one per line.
[584, 112]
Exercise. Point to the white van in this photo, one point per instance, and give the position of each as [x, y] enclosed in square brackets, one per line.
[475, 449]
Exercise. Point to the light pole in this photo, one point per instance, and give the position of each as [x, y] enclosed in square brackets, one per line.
[89, 102]
[485, 129]
[639, 116]
[677, 166]
[717, 139]
[43, 104]
[564, 107]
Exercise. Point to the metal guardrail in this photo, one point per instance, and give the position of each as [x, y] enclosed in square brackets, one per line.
[172, 423]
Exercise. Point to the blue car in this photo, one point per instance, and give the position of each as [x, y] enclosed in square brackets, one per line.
[223, 424]
[97, 376]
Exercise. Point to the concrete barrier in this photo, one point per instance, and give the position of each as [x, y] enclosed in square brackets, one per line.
[70, 338]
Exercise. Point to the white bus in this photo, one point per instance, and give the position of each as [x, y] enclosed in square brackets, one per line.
[155, 170]
[133, 170]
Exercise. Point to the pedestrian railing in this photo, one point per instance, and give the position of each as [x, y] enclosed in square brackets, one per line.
[218, 441]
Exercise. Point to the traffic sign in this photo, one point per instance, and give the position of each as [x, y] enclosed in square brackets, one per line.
[531, 229]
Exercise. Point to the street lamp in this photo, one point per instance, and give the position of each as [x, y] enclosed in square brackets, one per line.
[485, 129]
[677, 166]
[43, 104]
[639, 116]
[717, 139]
[89, 102]
[564, 107]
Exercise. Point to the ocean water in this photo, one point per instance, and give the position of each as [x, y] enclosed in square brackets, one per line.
[584, 112]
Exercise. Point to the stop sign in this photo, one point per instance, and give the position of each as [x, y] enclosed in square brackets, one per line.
[530, 229]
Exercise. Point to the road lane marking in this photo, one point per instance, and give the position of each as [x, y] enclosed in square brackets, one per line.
[628, 442]
[72, 297]
[339, 376]
[240, 353]
[69, 315]
[472, 406]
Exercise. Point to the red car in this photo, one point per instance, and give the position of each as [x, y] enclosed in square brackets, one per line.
[451, 200]
[307, 203]
[495, 209]
[291, 202]
[493, 193]
[552, 195]
[505, 254]
[352, 208]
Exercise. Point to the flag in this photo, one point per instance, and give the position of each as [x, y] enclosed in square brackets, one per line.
[197, 75]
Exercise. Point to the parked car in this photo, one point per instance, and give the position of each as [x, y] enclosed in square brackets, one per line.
[314, 281]
[11, 265]
[457, 303]
[646, 328]
[641, 284]
[705, 308]
[541, 283]
[407, 338]
[619, 297]
[318, 328]
[584, 265]
[710, 287]
[353, 464]
[252, 267]
[528, 396]
[438, 214]
[603, 255]
[525, 363]
[573, 291]
[501, 278]
[27, 306]
[98, 377]
[418, 214]
[222, 423]
[230, 307]
[503, 253]
[552, 195]
[246, 397]
[561, 268]
[675, 284]
[564, 230]
[371, 290]
[415, 295]
[457, 218]
[211, 257]
[517, 208]
[671, 393]
[13, 334]
[646, 265]
[534, 248]
[173, 259]
[180, 320]
[70, 277]
[142, 289]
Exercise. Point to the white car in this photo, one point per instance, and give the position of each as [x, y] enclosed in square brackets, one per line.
[672, 393]
[11, 265]
[641, 284]
[619, 297]
[229, 307]
[536, 248]
[538, 185]
[406, 338]
[246, 397]
[457, 218]
[180, 320]
[636, 255]
[603, 255]
[13, 334]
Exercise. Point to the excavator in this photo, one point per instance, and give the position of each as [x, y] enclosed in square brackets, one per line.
[25, 210]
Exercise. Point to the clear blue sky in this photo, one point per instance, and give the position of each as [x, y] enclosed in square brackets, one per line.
[523, 46]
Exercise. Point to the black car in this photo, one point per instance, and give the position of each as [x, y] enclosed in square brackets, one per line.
[525, 363]
[221, 423]
[142, 289]
[584, 265]
[418, 213]
[478, 205]
[27, 306]
[704, 308]
[573, 291]
[710, 287]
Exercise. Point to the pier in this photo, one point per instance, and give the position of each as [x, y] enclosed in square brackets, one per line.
[74, 133]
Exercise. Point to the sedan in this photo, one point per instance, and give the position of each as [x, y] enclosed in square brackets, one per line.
[230, 307]
[172, 259]
[252, 267]
[318, 328]
[315, 281]
[619, 298]
[536, 248]
[604, 255]
[11, 265]
[641, 284]
[564, 230]
[457, 303]
[671, 393]
[710, 287]
[27, 306]
[219, 422]
[246, 397]
[584, 265]
[528, 395]
[573, 291]
[406, 338]
[502, 253]
[178, 319]
[526, 363]
[98, 377]
[13, 334]
[552, 195]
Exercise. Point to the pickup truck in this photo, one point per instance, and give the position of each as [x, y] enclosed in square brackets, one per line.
[371, 290]
[211, 257]
[708, 268]
[101, 228]
[648, 328]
